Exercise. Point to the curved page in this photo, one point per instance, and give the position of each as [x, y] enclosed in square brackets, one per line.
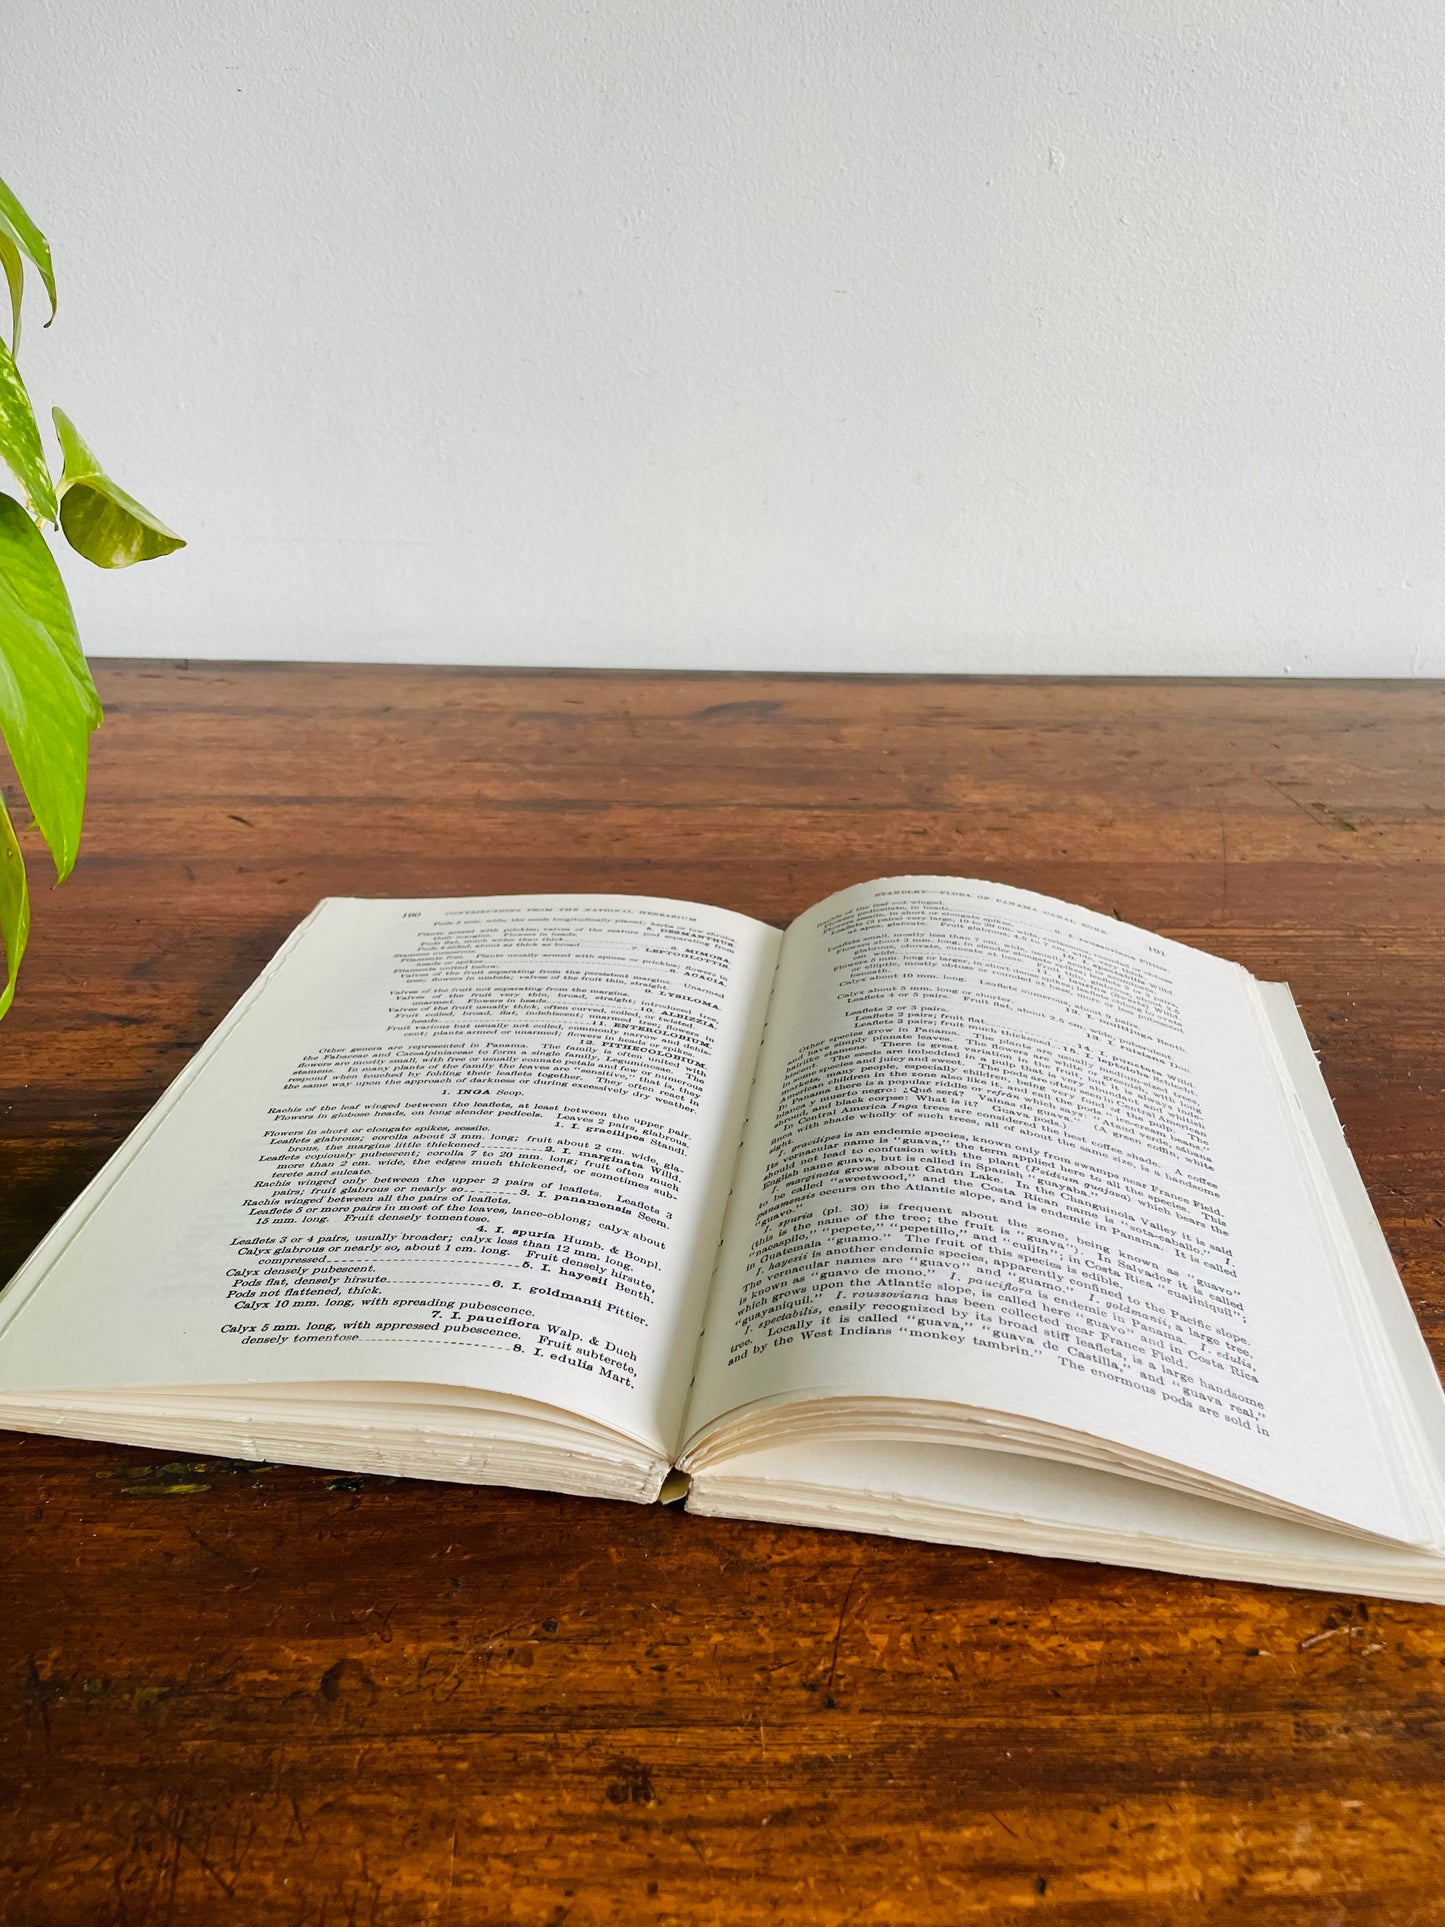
[1013, 1155]
[478, 1142]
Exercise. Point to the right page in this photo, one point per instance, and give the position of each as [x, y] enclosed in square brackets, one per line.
[1015, 1157]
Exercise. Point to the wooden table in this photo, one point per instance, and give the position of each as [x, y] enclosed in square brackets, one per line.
[232, 1695]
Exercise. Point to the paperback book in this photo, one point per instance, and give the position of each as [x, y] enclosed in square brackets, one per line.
[955, 1212]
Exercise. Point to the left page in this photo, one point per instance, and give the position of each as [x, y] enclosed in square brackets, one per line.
[480, 1142]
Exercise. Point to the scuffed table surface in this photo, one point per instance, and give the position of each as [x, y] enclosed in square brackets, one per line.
[231, 1694]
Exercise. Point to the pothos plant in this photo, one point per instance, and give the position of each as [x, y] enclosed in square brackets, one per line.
[48, 704]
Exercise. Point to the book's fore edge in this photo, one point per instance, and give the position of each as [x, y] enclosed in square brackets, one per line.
[1049, 1444]
[1325, 1139]
[684, 1424]
[1415, 1575]
[21, 1290]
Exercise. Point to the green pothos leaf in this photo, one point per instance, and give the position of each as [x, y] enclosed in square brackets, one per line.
[48, 704]
[14, 906]
[101, 522]
[15, 277]
[20, 446]
[15, 222]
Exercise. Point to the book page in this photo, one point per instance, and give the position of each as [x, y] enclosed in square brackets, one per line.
[1017, 1156]
[483, 1142]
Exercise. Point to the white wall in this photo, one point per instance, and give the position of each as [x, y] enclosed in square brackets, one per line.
[836, 334]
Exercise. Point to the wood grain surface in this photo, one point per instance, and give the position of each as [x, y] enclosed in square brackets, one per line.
[231, 1694]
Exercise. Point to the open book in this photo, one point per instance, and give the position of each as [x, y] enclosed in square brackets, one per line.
[955, 1212]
